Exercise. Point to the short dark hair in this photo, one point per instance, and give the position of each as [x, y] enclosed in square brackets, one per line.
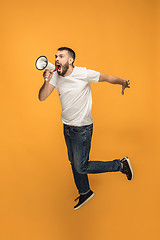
[71, 52]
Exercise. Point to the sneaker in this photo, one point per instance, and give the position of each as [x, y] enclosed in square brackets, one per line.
[127, 168]
[83, 199]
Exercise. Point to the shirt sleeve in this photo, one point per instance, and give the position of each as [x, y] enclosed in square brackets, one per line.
[92, 76]
[53, 80]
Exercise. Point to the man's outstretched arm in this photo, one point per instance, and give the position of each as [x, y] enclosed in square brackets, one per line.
[114, 80]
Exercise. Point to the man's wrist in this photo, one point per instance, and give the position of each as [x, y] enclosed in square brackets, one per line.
[46, 81]
[123, 81]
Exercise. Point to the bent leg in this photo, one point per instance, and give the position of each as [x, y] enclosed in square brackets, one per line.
[93, 167]
[81, 137]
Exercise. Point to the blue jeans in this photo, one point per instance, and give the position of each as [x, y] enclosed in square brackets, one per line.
[78, 141]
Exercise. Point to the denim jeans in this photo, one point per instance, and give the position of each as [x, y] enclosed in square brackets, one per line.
[78, 141]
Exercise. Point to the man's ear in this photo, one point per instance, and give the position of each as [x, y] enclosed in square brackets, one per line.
[70, 60]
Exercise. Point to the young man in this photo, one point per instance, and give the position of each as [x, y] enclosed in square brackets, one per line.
[73, 85]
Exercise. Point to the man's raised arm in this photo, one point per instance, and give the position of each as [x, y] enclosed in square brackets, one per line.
[46, 88]
[114, 80]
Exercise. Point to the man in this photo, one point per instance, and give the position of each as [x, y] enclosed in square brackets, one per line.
[73, 85]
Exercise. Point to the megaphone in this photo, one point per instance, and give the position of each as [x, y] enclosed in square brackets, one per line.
[42, 63]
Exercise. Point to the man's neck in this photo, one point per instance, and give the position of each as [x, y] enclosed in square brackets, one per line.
[70, 70]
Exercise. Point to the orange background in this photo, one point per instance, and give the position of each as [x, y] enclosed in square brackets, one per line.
[117, 37]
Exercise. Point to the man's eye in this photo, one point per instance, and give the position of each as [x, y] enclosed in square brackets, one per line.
[61, 56]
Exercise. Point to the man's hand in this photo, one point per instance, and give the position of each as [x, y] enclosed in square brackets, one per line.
[125, 84]
[48, 74]
[114, 80]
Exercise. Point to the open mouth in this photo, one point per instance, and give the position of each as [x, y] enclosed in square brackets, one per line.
[59, 67]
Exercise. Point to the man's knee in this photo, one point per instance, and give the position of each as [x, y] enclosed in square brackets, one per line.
[81, 169]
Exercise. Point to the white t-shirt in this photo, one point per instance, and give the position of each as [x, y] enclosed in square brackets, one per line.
[75, 95]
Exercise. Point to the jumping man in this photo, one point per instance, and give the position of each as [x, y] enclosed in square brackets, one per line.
[73, 85]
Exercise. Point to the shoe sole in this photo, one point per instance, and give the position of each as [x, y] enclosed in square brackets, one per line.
[129, 163]
[85, 201]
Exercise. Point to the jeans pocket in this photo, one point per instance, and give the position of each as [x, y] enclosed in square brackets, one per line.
[89, 128]
[78, 130]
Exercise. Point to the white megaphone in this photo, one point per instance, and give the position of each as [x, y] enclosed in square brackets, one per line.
[42, 63]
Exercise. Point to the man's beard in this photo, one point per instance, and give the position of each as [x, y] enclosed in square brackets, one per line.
[64, 68]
